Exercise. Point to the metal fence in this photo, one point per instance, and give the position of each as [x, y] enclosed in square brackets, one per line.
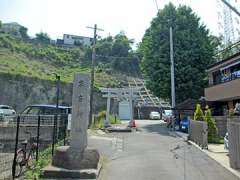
[29, 134]
[198, 133]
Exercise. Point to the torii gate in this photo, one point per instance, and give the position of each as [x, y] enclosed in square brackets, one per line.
[120, 93]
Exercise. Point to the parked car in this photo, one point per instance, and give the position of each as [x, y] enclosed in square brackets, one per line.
[184, 124]
[154, 115]
[45, 109]
[226, 141]
[6, 110]
[166, 115]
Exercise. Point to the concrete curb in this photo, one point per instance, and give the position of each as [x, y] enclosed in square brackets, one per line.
[233, 171]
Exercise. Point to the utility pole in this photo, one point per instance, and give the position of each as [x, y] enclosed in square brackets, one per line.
[172, 76]
[55, 128]
[93, 70]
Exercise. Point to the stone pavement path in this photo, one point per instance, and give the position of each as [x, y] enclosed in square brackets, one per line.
[154, 154]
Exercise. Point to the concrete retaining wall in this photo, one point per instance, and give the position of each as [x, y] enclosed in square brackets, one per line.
[20, 91]
[234, 143]
[198, 133]
[8, 133]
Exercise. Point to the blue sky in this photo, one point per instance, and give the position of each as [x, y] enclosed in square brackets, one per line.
[72, 16]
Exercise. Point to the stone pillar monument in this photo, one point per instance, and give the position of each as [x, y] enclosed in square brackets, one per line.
[80, 112]
[76, 160]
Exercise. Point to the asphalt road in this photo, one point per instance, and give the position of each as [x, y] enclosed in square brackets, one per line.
[155, 154]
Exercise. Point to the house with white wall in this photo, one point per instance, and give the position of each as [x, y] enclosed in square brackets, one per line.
[76, 40]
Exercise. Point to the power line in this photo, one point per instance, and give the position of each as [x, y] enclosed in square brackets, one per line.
[118, 57]
[156, 5]
[231, 7]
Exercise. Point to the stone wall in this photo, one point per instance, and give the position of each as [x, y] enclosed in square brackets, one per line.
[20, 91]
[221, 123]
[8, 134]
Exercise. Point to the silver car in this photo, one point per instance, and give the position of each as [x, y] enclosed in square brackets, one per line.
[5, 111]
[154, 115]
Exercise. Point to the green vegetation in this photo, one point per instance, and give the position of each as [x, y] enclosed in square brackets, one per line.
[44, 159]
[42, 38]
[216, 140]
[198, 114]
[41, 61]
[53, 55]
[193, 52]
[116, 53]
[212, 128]
[99, 120]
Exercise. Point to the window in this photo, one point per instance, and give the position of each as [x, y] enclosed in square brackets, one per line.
[217, 77]
[48, 111]
[5, 107]
[34, 111]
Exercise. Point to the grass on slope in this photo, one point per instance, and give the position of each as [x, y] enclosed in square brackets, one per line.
[19, 64]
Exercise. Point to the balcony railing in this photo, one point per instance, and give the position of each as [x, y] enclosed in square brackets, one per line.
[232, 76]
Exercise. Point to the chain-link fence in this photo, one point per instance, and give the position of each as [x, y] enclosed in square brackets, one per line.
[22, 137]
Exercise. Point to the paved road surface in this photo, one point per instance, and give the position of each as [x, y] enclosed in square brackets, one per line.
[154, 154]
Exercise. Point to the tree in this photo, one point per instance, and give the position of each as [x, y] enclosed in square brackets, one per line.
[193, 52]
[198, 114]
[0, 24]
[23, 33]
[212, 128]
[117, 52]
[42, 38]
[121, 45]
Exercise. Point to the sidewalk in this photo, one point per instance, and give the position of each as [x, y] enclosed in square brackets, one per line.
[219, 154]
[216, 152]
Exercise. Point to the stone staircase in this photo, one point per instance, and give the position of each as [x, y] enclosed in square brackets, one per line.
[145, 98]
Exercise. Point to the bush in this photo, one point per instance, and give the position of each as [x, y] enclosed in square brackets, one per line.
[44, 159]
[114, 120]
[212, 128]
[99, 120]
[198, 114]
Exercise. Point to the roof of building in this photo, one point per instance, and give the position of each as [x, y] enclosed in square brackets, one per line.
[188, 104]
[49, 106]
[224, 60]
[12, 23]
[77, 36]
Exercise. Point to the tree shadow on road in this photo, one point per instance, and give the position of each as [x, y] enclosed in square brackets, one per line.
[160, 129]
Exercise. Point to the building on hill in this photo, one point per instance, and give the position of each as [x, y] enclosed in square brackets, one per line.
[13, 28]
[73, 40]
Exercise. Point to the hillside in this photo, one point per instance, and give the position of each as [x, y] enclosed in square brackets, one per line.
[41, 61]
